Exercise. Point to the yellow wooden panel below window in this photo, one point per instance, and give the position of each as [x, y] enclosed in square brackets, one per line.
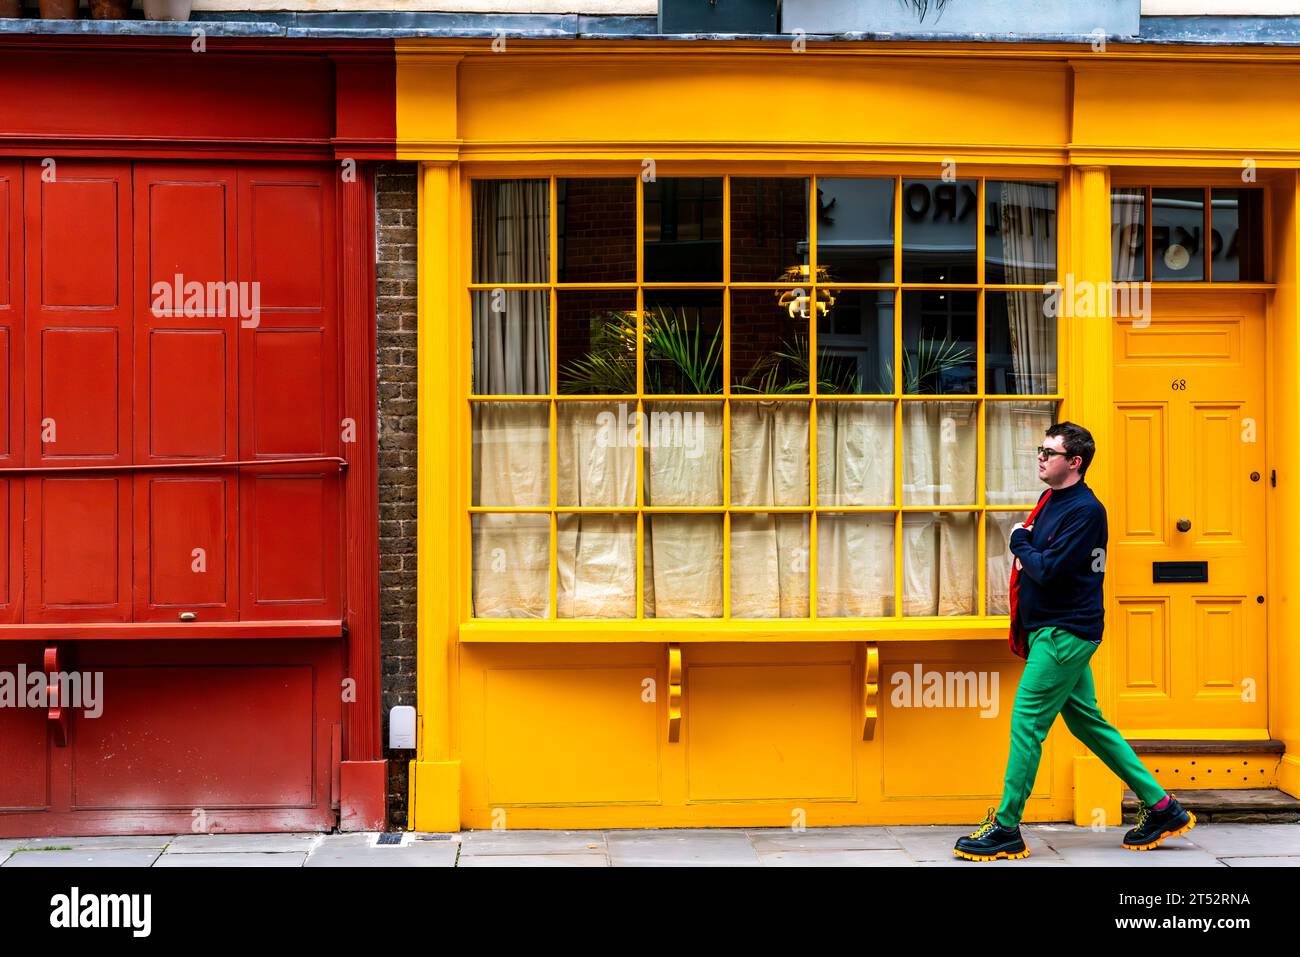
[569, 735]
[769, 731]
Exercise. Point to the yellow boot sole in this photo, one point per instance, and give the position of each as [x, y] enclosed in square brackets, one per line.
[1000, 855]
[1191, 823]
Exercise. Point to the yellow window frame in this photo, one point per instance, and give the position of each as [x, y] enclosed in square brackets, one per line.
[641, 628]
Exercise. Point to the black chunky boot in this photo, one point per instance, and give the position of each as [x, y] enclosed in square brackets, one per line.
[991, 841]
[1155, 826]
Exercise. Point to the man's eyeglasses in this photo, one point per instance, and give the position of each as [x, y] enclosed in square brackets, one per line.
[1044, 453]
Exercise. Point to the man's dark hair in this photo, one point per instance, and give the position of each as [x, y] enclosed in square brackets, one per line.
[1077, 441]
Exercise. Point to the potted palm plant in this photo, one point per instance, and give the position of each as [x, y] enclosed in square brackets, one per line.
[167, 9]
[679, 358]
[110, 9]
[58, 9]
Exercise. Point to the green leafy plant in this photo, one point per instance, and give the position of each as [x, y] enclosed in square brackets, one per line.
[793, 358]
[679, 358]
[923, 7]
[933, 357]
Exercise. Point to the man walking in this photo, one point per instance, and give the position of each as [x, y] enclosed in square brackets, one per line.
[1060, 557]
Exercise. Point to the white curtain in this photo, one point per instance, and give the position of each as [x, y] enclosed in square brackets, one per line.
[1013, 431]
[998, 552]
[596, 467]
[1128, 218]
[1028, 250]
[939, 548]
[769, 551]
[855, 551]
[683, 553]
[511, 552]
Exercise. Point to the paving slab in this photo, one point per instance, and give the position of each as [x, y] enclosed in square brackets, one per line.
[689, 848]
[1036, 858]
[1261, 861]
[823, 839]
[532, 842]
[235, 843]
[105, 857]
[935, 842]
[8, 846]
[836, 857]
[354, 850]
[1246, 840]
[157, 841]
[534, 860]
[1172, 853]
[234, 859]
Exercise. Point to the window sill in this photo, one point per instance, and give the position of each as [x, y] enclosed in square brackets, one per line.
[695, 630]
[116, 631]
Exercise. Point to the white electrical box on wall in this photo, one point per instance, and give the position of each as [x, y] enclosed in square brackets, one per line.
[401, 727]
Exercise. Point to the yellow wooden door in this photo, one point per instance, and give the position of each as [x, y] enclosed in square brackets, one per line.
[1190, 470]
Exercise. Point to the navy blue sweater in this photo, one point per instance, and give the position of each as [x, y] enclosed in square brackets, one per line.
[1062, 563]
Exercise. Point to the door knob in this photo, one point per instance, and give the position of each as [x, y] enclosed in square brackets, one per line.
[1184, 524]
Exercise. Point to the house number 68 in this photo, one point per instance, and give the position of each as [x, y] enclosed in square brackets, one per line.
[1178, 385]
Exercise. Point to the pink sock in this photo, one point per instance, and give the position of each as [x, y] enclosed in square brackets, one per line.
[1160, 805]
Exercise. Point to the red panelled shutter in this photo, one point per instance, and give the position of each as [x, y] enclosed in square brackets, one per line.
[186, 391]
[78, 390]
[290, 518]
[11, 388]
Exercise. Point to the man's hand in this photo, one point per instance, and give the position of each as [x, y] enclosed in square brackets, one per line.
[1027, 528]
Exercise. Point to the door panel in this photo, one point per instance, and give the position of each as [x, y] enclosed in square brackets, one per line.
[11, 388]
[186, 389]
[188, 555]
[290, 520]
[78, 390]
[1189, 417]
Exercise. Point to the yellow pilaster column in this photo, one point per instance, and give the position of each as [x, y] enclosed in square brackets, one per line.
[1284, 505]
[1089, 402]
[435, 774]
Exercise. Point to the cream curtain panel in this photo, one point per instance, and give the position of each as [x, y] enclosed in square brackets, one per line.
[1028, 248]
[1127, 216]
[769, 552]
[683, 553]
[511, 553]
[855, 550]
[939, 468]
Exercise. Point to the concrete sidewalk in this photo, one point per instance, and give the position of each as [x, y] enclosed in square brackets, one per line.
[1207, 845]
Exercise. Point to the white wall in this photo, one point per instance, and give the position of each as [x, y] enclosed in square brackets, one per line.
[624, 7]
[1243, 8]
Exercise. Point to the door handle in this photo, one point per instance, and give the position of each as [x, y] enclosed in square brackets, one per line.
[1184, 525]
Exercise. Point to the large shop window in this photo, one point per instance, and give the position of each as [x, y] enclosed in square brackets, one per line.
[652, 438]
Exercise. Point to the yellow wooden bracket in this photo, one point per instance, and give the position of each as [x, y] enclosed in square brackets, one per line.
[674, 692]
[871, 690]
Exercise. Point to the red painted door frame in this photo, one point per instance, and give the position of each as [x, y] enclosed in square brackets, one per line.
[264, 103]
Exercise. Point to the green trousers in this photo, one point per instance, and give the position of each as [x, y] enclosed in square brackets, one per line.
[1058, 680]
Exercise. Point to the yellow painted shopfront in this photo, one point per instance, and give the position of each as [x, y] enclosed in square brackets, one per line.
[675, 572]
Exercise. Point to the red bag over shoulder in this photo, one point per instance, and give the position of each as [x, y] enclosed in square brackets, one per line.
[1017, 639]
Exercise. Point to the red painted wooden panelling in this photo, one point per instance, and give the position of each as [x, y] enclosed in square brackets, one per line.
[290, 519]
[194, 735]
[186, 390]
[78, 392]
[248, 728]
[100, 373]
[24, 746]
[189, 564]
[11, 388]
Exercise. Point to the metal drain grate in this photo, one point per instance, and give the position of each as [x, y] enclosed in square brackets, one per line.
[394, 838]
